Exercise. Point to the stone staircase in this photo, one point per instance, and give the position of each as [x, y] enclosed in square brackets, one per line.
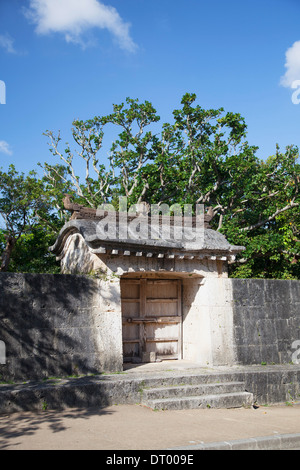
[187, 394]
[168, 389]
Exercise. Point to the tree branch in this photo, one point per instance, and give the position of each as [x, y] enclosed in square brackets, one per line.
[271, 217]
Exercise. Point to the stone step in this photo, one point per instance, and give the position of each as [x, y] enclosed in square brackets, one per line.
[219, 400]
[170, 380]
[184, 390]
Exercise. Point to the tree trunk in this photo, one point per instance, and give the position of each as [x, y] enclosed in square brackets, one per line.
[6, 255]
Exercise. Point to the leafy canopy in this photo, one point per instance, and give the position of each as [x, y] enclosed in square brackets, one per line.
[201, 157]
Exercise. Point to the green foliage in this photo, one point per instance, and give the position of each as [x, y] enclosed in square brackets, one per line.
[31, 253]
[29, 222]
[202, 157]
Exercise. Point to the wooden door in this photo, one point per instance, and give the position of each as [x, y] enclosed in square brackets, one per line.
[151, 318]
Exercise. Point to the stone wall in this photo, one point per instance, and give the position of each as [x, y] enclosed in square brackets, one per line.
[266, 318]
[58, 325]
[61, 325]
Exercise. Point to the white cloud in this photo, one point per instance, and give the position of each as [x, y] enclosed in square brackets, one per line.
[292, 65]
[7, 43]
[5, 148]
[75, 17]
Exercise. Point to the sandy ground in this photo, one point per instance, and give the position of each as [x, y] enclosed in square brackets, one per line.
[134, 427]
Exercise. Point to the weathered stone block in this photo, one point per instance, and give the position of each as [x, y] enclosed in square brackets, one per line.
[240, 292]
[278, 291]
[47, 323]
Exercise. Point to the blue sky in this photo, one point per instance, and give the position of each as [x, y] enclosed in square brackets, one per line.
[67, 59]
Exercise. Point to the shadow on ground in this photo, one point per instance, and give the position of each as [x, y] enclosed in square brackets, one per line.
[27, 424]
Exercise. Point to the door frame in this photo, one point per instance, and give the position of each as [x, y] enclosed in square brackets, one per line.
[142, 319]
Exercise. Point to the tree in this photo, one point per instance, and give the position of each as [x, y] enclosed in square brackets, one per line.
[25, 207]
[134, 147]
[88, 136]
[202, 157]
[268, 221]
[100, 182]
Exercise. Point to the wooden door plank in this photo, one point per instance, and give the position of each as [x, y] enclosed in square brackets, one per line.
[157, 318]
[142, 337]
[130, 301]
[166, 295]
